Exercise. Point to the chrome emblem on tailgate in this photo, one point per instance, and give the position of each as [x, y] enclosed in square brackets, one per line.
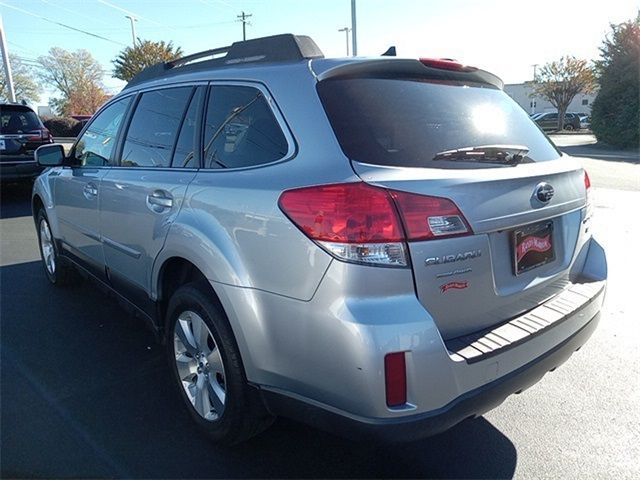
[456, 257]
[544, 192]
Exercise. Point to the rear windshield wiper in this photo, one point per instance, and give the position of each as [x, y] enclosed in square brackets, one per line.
[502, 154]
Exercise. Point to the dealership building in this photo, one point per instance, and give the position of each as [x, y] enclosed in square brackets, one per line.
[521, 93]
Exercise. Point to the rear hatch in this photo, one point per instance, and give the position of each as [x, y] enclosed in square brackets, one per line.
[511, 242]
[21, 133]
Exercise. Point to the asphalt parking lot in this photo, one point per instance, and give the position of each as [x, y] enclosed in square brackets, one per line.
[84, 391]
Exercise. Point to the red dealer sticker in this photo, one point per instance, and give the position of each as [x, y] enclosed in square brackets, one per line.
[454, 285]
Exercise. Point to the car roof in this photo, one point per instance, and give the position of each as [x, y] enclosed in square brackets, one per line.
[259, 59]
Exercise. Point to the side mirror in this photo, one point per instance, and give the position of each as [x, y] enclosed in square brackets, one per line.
[51, 155]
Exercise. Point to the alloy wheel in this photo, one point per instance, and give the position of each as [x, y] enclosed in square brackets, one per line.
[199, 365]
[46, 245]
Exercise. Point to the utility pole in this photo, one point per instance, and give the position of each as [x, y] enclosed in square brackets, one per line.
[346, 31]
[243, 18]
[133, 28]
[354, 37]
[535, 71]
[7, 65]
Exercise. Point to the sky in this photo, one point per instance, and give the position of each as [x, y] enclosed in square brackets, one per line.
[504, 37]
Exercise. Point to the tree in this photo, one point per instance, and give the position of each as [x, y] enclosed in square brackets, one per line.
[615, 114]
[560, 81]
[78, 78]
[132, 60]
[24, 84]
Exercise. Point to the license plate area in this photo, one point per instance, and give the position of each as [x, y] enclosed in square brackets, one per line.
[532, 246]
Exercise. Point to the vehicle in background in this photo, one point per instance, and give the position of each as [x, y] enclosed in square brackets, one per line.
[549, 121]
[21, 133]
[585, 121]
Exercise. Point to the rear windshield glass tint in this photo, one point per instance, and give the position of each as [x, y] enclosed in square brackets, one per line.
[407, 122]
[18, 120]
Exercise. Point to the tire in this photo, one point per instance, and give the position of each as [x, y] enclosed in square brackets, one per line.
[57, 272]
[569, 127]
[207, 368]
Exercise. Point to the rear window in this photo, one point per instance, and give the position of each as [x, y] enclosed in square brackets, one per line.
[408, 122]
[15, 120]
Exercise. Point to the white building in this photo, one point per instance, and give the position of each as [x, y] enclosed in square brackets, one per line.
[521, 92]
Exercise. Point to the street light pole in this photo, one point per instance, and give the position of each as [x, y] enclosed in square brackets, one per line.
[346, 30]
[7, 64]
[133, 27]
[354, 37]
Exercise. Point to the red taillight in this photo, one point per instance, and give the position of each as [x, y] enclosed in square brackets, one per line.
[39, 135]
[395, 377]
[344, 213]
[428, 217]
[587, 181]
[446, 64]
[360, 223]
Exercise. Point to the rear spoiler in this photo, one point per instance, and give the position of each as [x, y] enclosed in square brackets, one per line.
[408, 68]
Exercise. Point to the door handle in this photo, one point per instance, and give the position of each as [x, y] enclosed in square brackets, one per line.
[90, 191]
[159, 201]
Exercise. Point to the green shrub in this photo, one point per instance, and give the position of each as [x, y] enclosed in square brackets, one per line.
[615, 114]
[61, 126]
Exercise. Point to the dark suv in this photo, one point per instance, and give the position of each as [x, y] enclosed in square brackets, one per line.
[549, 121]
[21, 132]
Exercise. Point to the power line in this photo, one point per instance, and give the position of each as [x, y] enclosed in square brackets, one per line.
[60, 24]
[60, 7]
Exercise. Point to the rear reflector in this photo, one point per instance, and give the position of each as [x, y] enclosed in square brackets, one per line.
[395, 376]
[587, 181]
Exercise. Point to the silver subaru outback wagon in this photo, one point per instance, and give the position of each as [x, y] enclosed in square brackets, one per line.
[375, 246]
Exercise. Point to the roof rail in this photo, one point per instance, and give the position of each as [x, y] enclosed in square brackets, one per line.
[277, 48]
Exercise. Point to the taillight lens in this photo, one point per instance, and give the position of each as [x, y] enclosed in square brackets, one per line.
[395, 376]
[587, 187]
[360, 223]
[39, 135]
[428, 217]
[354, 221]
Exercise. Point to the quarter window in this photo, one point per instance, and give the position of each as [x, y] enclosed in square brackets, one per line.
[154, 128]
[95, 146]
[241, 130]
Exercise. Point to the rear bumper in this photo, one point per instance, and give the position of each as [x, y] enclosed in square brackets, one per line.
[413, 427]
[18, 170]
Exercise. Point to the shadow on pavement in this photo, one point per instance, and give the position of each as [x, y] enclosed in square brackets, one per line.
[86, 393]
[15, 200]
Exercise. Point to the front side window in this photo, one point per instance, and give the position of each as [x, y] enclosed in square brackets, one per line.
[154, 127]
[95, 146]
[240, 129]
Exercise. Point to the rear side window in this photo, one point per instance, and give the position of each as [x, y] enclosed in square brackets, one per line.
[95, 146]
[408, 122]
[154, 128]
[16, 120]
[241, 130]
